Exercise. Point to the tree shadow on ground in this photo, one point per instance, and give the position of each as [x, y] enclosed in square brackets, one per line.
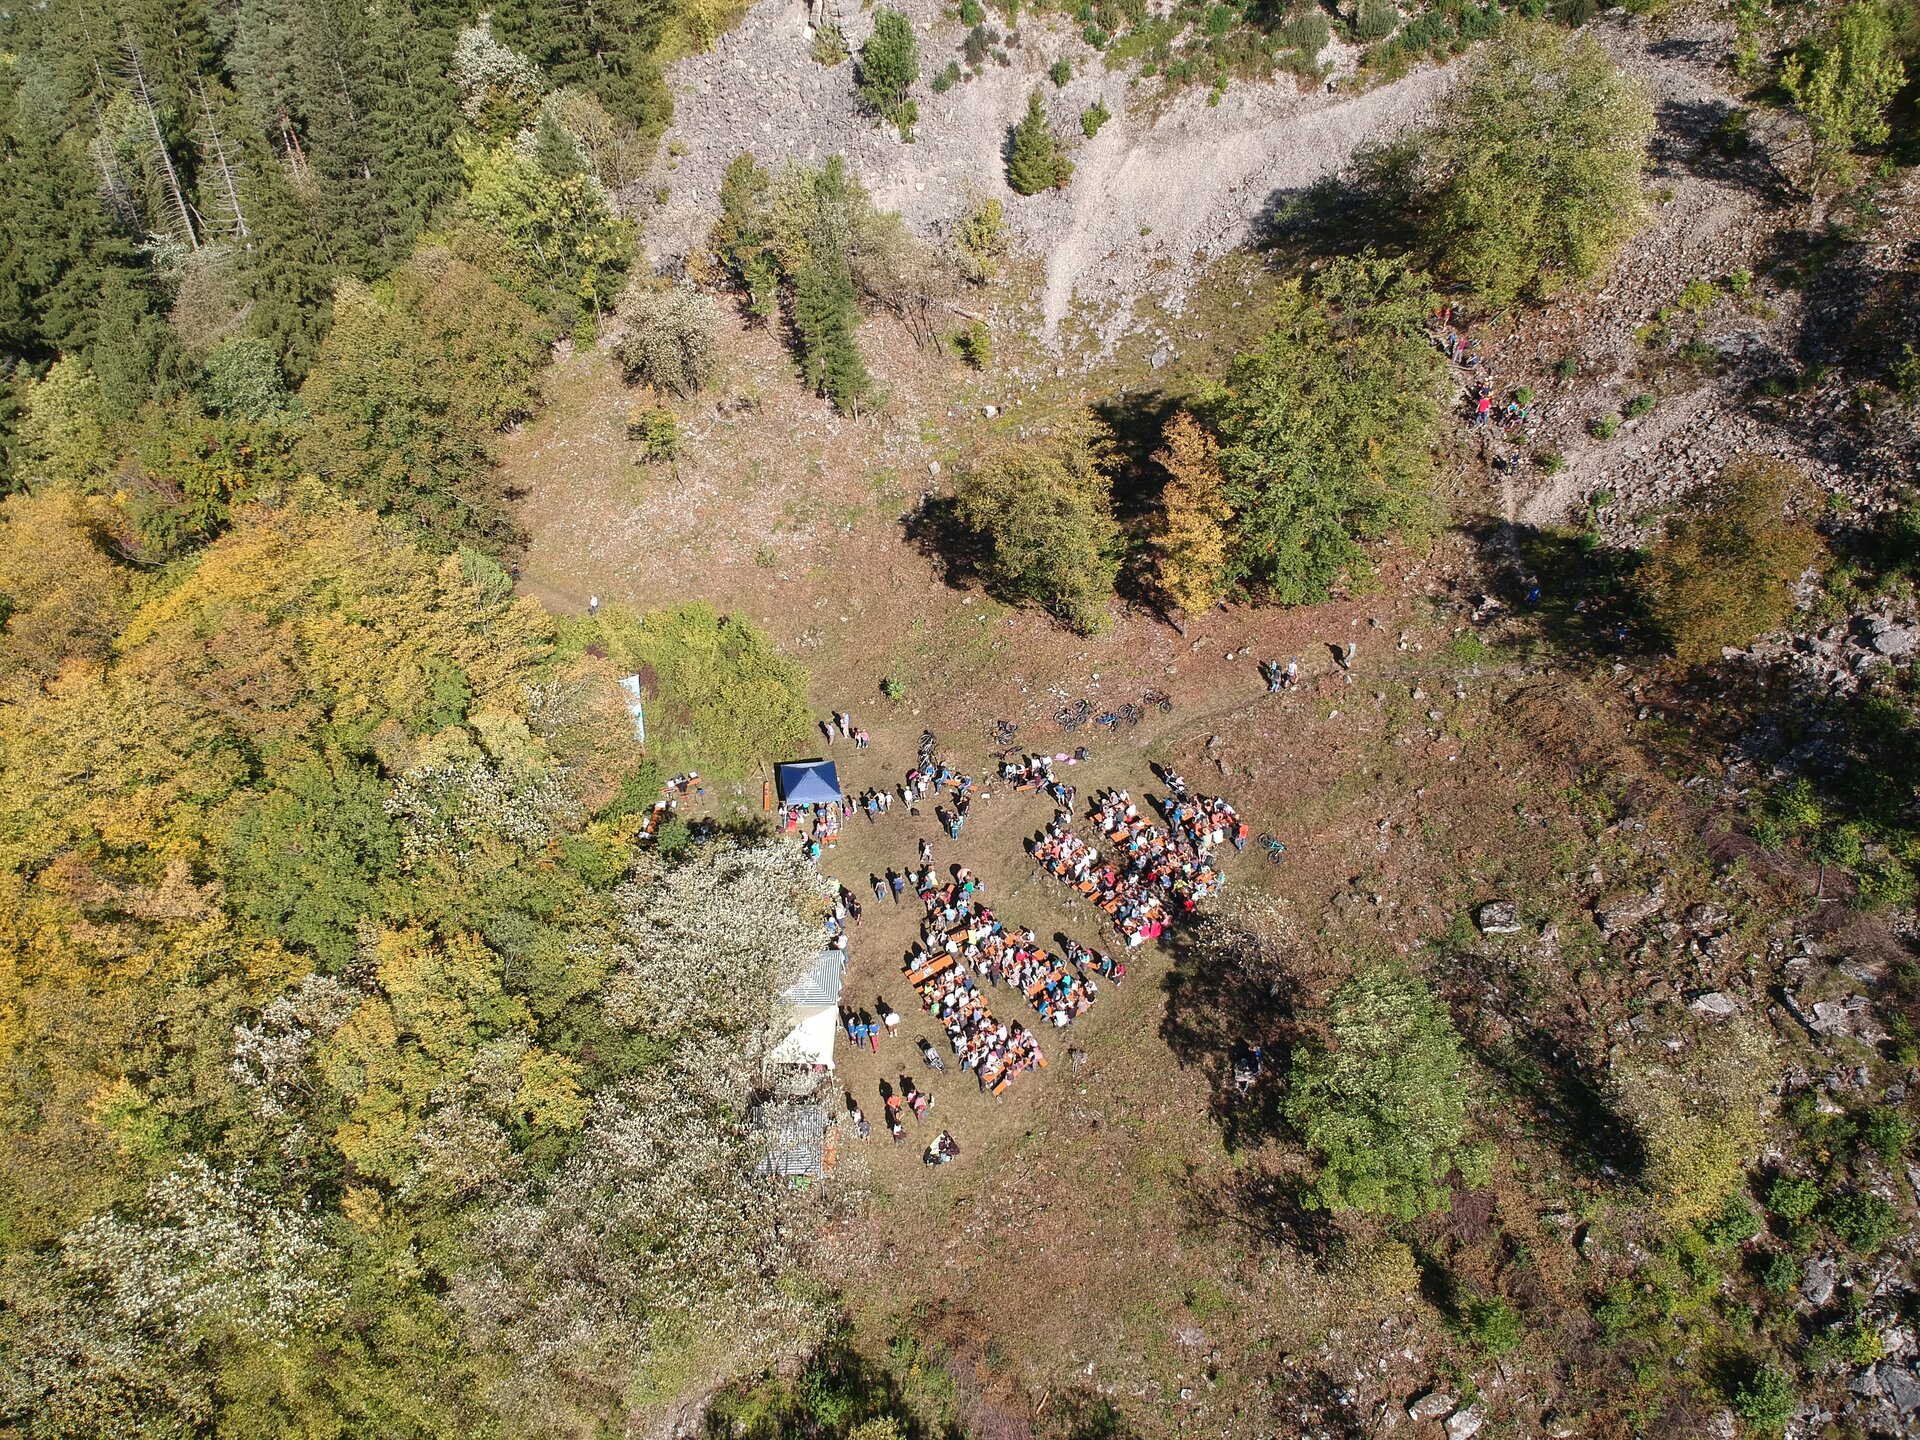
[955, 552]
[1082, 1415]
[1711, 139]
[1576, 591]
[1340, 214]
[1137, 421]
[836, 1390]
[1863, 304]
[1858, 751]
[1269, 1206]
[1566, 1100]
[1225, 996]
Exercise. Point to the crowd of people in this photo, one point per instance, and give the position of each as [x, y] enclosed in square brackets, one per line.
[815, 825]
[994, 1050]
[1204, 822]
[1155, 872]
[1144, 870]
[958, 925]
[839, 725]
[1483, 407]
[1035, 772]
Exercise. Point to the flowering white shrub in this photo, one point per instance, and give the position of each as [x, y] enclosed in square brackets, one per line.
[460, 1153]
[484, 70]
[75, 1370]
[209, 1253]
[709, 946]
[450, 806]
[270, 1057]
[654, 1244]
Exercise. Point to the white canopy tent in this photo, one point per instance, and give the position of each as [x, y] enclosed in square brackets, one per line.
[812, 1015]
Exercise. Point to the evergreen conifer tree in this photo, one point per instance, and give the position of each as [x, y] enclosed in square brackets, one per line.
[415, 116]
[608, 49]
[824, 314]
[1034, 161]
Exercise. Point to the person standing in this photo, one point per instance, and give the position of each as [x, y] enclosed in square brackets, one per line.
[860, 738]
[593, 606]
[879, 887]
[846, 725]
[899, 884]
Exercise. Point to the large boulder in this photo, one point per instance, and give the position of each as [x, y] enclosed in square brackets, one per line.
[1622, 912]
[1430, 1406]
[1899, 1386]
[1498, 917]
[1895, 639]
[1820, 1279]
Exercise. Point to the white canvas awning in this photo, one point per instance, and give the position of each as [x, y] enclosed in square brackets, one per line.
[812, 1006]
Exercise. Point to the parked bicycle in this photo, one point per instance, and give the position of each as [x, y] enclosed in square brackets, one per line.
[1160, 701]
[1276, 852]
[1072, 717]
[1003, 732]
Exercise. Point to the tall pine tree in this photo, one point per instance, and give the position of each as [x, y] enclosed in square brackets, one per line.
[415, 116]
[610, 48]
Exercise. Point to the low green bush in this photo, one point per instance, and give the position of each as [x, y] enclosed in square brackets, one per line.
[1491, 1326]
[974, 344]
[1778, 1273]
[720, 699]
[829, 46]
[657, 432]
[1793, 1197]
[1765, 1398]
[1375, 20]
[1308, 32]
[1698, 295]
[1863, 1222]
[1734, 1225]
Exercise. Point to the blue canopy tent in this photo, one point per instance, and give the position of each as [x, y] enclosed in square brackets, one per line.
[807, 782]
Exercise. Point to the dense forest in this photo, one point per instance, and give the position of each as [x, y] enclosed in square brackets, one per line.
[334, 1005]
[244, 240]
